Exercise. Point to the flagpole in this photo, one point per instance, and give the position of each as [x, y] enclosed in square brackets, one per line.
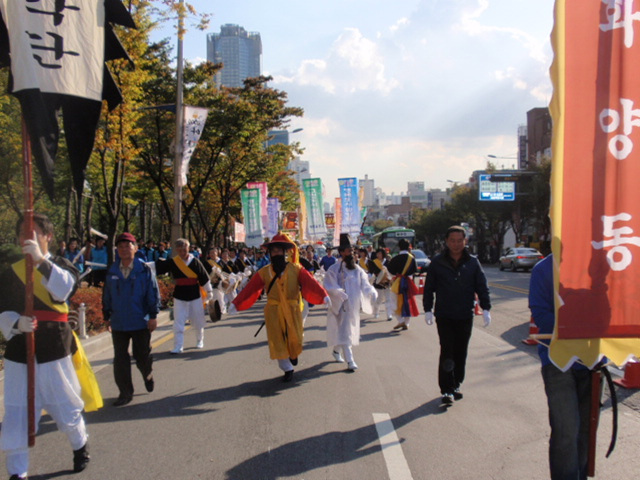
[176, 225]
[27, 229]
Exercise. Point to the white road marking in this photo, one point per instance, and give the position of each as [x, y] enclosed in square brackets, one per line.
[394, 457]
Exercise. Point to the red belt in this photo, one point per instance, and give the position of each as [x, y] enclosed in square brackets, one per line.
[50, 316]
[186, 281]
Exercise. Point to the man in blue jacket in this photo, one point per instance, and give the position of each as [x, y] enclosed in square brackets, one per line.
[130, 305]
[568, 393]
[455, 277]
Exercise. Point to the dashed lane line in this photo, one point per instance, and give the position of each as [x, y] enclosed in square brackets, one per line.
[394, 457]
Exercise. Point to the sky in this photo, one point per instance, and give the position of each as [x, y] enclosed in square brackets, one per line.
[410, 90]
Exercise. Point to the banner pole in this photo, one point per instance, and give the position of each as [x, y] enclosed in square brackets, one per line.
[27, 229]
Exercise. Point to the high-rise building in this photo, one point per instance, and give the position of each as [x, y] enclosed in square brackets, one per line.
[368, 188]
[239, 51]
[538, 134]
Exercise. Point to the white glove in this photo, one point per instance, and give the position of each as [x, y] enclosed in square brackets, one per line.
[209, 297]
[487, 318]
[232, 310]
[327, 302]
[27, 324]
[31, 247]
[343, 295]
[428, 318]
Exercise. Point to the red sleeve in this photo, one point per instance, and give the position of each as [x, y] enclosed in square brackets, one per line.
[312, 291]
[250, 293]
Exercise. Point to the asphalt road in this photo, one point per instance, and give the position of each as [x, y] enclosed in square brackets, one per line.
[223, 413]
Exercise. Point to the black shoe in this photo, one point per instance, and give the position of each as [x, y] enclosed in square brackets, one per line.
[288, 376]
[447, 399]
[81, 458]
[149, 384]
[457, 394]
[15, 476]
[294, 361]
[122, 400]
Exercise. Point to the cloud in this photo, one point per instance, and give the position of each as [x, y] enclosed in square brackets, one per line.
[353, 64]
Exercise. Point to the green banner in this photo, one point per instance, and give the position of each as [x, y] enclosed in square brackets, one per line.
[316, 227]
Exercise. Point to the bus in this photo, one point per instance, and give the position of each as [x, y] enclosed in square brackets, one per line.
[389, 237]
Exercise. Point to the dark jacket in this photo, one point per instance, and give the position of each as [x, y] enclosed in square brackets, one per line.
[129, 303]
[455, 287]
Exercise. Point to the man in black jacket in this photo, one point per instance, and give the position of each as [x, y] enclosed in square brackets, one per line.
[456, 277]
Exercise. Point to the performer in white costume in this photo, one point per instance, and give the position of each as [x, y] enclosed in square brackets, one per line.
[349, 289]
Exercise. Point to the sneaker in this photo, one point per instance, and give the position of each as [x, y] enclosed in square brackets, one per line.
[447, 399]
[457, 394]
[176, 351]
[352, 366]
[338, 357]
[400, 326]
[200, 345]
[15, 476]
[81, 459]
[389, 319]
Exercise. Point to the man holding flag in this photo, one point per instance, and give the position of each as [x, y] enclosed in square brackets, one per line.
[57, 389]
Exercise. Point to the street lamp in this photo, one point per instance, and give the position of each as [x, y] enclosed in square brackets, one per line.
[511, 157]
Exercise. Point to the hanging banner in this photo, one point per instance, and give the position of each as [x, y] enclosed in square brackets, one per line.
[596, 202]
[290, 222]
[330, 221]
[350, 222]
[273, 216]
[302, 218]
[194, 120]
[316, 228]
[239, 232]
[252, 216]
[264, 207]
[337, 230]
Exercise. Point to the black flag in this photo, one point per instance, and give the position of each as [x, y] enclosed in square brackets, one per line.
[57, 51]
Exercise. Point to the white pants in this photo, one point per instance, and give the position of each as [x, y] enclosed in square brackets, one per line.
[347, 352]
[57, 391]
[384, 298]
[285, 365]
[187, 310]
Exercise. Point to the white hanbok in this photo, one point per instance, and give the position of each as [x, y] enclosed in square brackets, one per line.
[349, 291]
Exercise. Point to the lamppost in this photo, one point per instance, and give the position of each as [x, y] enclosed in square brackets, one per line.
[176, 224]
[497, 157]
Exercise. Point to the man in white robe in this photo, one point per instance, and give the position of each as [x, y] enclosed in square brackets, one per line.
[349, 289]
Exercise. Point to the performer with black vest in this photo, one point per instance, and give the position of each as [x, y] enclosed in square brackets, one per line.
[192, 290]
[403, 266]
[57, 389]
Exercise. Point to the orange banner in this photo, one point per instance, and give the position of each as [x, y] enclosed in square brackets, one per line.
[596, 165]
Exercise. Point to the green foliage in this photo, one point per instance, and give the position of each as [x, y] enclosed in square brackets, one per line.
[9, 254]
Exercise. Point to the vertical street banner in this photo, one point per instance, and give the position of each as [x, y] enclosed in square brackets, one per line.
[302, 218]
[290, 222]
[595, 209]
[252, 216]
[57, 52]
[194, 120]
[273, 217]
[264, 207]
[239, 235]
[330, 221]
[316, 227]
[350, 222]
[337, 230]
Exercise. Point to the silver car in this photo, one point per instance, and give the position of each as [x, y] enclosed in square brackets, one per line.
[422, 261]
[520, 257]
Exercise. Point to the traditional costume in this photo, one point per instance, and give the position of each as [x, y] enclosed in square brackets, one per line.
[192, 288]
[285, 286]
[403, 266]
[382, 283]
[349, 290]
[57, 389]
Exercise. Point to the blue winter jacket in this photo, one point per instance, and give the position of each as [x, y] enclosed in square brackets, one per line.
[129, 303]
[455, 288]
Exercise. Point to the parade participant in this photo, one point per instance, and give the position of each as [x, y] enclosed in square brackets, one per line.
[99, 259]
[568, 393]
[162, 253]
[455, 277]
[382, 283]
[328, 260]
[262, 259]
[225, 262]
[74, 254]
[130, 303]
[363, 259]
[242, 262]
[285, 283]
[349, 289]
[57, 388]
[403, 266]
[309, 262]
[192, 289]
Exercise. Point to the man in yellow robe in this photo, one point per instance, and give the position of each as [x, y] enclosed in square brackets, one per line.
[285, 283]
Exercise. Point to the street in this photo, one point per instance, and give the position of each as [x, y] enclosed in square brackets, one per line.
[223, 412]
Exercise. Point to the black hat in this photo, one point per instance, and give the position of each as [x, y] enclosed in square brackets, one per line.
[345, 242]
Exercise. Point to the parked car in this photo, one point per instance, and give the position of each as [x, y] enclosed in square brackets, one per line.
[422, 261]
[520, 257]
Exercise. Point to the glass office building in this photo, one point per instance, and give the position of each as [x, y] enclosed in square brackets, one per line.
[239, 51]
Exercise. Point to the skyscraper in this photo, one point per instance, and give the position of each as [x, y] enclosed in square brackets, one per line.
[240, 53]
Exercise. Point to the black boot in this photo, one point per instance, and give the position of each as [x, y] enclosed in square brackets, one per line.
[81, 458]
[15, 476]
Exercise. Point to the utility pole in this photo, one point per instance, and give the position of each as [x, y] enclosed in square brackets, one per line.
[176, 224]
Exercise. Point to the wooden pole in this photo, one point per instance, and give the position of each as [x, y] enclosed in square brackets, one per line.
[594, 418]
[27, 229]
